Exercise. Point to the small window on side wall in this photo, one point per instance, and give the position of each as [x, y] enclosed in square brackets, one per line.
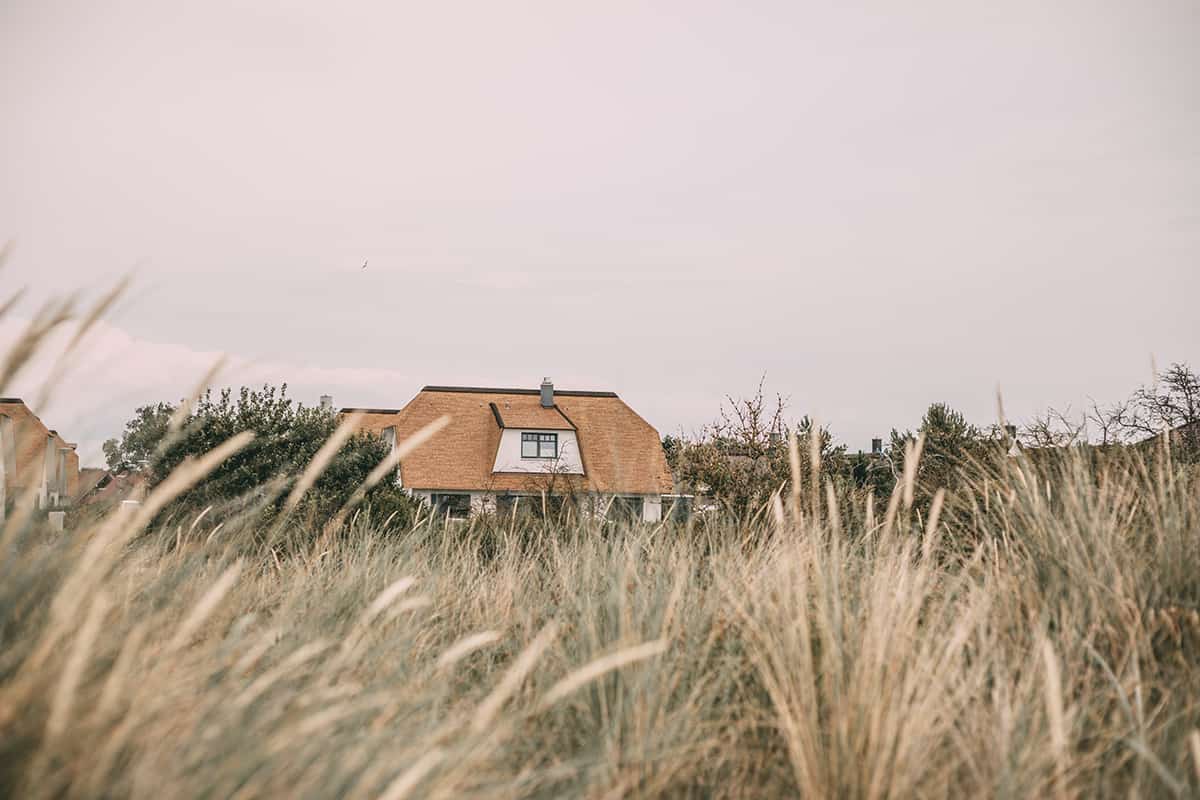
[626, 510]
[539, 445]
[454, 506]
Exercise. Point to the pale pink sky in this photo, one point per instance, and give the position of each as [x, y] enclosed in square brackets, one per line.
[879, 205]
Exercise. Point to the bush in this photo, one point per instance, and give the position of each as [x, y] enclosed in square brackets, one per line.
[287, 436]
[743, 457]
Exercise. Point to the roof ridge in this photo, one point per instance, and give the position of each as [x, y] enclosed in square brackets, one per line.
[488, 390]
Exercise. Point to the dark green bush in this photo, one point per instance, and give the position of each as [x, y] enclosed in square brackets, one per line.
[287, 436]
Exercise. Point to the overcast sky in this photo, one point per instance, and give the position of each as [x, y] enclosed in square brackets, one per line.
[878, 206]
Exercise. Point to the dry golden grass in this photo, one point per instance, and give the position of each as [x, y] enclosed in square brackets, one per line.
[1034, 634]
[1057, 657]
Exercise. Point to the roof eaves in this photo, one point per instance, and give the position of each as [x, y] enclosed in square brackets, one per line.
[370, 410]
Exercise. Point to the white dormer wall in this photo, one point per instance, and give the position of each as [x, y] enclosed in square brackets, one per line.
[508, 455]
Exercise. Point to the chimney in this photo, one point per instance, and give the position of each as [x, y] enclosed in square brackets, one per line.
[327, 402]
[547, 393]
[877, 447]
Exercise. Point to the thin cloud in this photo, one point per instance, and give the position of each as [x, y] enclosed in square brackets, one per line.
[115, 371]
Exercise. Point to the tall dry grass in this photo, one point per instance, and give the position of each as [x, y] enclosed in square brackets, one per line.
[813, 656]
[1033, 634]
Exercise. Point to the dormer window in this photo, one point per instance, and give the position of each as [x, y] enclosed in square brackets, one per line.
[539, 445]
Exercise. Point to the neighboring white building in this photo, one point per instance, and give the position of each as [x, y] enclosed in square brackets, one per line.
[513, 446]
[34, 460]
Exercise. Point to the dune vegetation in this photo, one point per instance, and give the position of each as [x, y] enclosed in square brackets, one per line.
[1035, 632]
[818, 651]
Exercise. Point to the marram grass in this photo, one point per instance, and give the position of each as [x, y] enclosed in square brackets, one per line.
[1033, 633]
[1045, 642]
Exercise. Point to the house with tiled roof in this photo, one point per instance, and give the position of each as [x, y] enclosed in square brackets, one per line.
[507, 447]
[105, 487]
[34, 458]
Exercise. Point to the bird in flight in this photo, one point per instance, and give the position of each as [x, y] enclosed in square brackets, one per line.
[364, 266]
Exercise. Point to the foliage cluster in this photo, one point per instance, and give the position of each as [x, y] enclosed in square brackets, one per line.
[1170, 403]
[286, 437]
[743, 458]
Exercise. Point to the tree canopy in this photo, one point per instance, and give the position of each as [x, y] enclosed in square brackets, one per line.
[140, 439]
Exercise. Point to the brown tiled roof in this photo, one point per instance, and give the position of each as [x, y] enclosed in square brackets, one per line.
[89, 478]
[125, 486]
[622, 453]
[521, 411]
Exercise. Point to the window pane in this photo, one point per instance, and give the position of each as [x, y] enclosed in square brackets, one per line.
[529, 449]
[549, 449]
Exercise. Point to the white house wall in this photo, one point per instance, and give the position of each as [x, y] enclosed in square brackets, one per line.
[480, 501]
[485, 502]
[508, 454]
[5, 469]
[49, 468]
[652, 508]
